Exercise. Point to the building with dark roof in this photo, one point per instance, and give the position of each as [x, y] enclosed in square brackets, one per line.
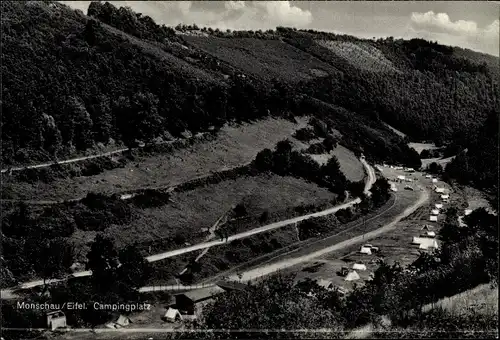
[186, 302]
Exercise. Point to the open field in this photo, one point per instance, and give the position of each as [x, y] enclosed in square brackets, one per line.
[252, 56]
[235, 145]
[191, 211]
[419, 147]
[349, 163]
[441, 161]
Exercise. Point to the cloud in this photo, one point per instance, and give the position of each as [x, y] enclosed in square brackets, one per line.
[441, 23]
[465, 33]
[234, 14]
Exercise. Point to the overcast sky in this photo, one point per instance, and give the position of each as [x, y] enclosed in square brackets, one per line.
[469, 24]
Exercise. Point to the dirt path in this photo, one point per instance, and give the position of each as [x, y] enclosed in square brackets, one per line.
[371, 177]
[67, 161]
[79, 159]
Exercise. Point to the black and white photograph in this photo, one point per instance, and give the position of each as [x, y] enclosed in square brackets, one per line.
[249, 170]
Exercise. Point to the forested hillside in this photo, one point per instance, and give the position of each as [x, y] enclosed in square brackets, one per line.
[71, 81]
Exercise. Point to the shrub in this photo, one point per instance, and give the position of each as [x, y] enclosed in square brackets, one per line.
[305, 134]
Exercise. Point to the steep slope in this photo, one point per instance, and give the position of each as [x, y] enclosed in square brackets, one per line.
[423, 89]
[119, 76]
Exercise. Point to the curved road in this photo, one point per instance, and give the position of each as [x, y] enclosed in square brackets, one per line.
[267, 269]
[271, 268]
[6, 293]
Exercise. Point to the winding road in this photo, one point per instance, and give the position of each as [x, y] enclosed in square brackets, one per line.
[371, 178]
[274, 267]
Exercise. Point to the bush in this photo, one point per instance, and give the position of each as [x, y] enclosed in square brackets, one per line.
[240, 210]
[305, 134]
[150, 199]
[316, 148]
[264, 217]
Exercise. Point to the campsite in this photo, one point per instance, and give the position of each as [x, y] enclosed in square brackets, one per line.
[248, 169]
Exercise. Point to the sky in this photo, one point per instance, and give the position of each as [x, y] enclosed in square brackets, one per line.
[468, 24]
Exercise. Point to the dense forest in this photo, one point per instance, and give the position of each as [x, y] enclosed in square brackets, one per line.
[117, 76]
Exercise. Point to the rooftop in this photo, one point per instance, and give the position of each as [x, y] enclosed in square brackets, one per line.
[203, 293]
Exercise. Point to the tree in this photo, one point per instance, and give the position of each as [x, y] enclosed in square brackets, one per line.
[380, 191]
[330, 142]
[103, 262]
[264, 160]
[264, 217]
[333, 175]
[51, 258]
[252, 309]
[240, 210]
[134, 269]
[77, 124]
[281, 159]
[435, 168]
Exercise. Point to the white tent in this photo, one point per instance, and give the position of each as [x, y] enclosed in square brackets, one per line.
[433, 218]
[325, 284]
[401, 177]
[439, 190]
[426, 227]
[430, 234]
[358, 266]
[352, 276]
[408, 179]
[445, 197]
[434, 180]
[416, 240]
[172, 315]
[428, 176]
[365, 250]
[123, 321]
[438, 206]
[435, 211]
[428, 243]
[467, 212]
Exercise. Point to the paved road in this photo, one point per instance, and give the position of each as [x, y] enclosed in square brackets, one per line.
[8, 293]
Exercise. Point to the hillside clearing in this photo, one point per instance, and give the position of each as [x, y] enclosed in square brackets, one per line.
[419, 147]
[361, 55]
[200, 208]
[252, 56]
[441, 161]
[349, 163]
[234, 146]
